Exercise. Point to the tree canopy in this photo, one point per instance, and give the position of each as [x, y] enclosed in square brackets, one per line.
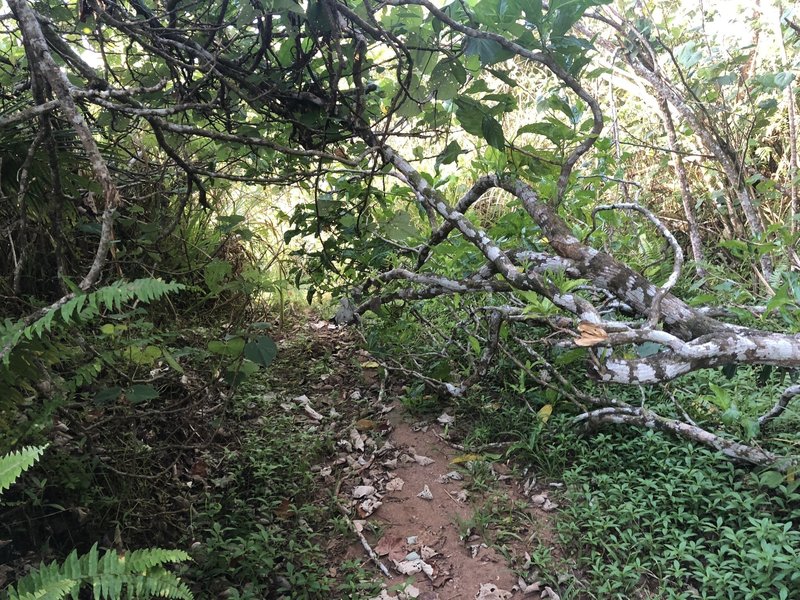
[444, 149]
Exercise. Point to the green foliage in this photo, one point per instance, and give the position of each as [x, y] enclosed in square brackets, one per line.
[13, 464]
[83, 307]
[140, 574]
[646, 510]
[262, 521]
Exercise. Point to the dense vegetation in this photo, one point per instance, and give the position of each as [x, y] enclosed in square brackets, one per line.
[557, 218]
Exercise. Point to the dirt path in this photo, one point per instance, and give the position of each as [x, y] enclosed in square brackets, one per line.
[429, 513]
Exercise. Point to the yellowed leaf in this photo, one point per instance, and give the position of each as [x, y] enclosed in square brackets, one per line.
[365, 425]
[370, 365]
[545, 412]
[465, 458]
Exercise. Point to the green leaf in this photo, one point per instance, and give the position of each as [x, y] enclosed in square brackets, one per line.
[108, 395]
[12, 465]
[141, 392]
[532, 10]
[783, 79]
[400, 227]
[489, 51]
[262, 350]
[232, 347]
[771, 479]
[450, 154]
[492, 132]
[470, 114]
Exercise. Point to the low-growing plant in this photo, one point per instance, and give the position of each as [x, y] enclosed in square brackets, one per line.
[648, 512]
[140, 574]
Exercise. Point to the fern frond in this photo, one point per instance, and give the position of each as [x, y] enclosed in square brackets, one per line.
[85, 307]
[140, 575]
[12, 465]
[53, 590]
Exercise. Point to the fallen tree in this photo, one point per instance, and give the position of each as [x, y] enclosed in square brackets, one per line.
[322, 95]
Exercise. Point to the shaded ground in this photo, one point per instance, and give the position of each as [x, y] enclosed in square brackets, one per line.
[430, 513]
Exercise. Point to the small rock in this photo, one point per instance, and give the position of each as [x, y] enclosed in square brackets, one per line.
[412, 539]
[412, 556]
[425, 494]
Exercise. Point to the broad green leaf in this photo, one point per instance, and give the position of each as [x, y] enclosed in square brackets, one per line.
[262, 350]
[492, 132]
[400, 227]
[488, 51]
[450, 154]
[141, 393]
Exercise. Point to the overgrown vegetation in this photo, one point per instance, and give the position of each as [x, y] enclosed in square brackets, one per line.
[556, 218]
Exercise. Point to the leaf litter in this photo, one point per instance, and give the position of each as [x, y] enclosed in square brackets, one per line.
[383, 459]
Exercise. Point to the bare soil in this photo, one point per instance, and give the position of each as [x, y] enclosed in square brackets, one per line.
[387, 448]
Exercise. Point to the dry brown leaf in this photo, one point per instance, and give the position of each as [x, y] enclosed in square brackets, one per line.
[392, 546]
[586, 342]
[591, 329]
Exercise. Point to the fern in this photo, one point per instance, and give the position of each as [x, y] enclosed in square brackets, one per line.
[141, 574]
[12, 465]
[84, 307]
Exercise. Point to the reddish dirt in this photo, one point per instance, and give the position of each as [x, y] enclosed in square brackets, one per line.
[435, 522]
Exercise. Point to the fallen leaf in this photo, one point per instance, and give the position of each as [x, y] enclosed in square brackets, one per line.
[464, 458]
[526, 588]
[362, 491]
[423, 460]
[284, 510]
[425, 494]
[427, 552]
[539, 499]
[409, 567]
[368, 506]
[392, 546]
[548, 506]
[358, 440]
[591, 334]
[410, 592]
[395, 485]
[585, 327]
[490, 591]
[451, 476]
[550, 594]
[371, 364]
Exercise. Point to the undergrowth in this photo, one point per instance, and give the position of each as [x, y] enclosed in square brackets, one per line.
[646, 511]
[267, 525]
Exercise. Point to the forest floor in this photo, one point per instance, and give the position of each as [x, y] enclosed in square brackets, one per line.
[440, 523]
